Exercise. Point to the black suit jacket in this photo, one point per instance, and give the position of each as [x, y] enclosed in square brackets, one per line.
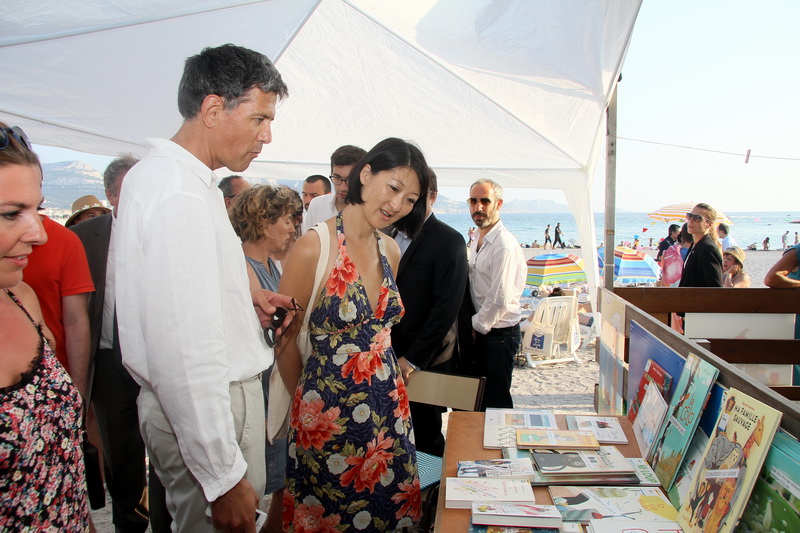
[95, 235]
[432, 279]
[703, 267]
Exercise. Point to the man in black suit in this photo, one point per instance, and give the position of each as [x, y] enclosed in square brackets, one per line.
[432, 279]
[113, 390]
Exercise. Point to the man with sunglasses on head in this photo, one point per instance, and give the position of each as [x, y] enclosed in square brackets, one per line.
[497, 275]
[324, 207]
[190, 334]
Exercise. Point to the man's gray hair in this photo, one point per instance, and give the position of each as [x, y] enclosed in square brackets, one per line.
[226, 185]
[498, 190]
[116, 169]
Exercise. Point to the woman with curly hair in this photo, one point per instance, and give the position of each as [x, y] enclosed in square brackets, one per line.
[264, 218]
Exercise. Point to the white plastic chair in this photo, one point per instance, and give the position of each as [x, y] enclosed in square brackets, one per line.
[555, 322]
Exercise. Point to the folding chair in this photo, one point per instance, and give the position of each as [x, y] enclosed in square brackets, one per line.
[464, 393]
[555, 322]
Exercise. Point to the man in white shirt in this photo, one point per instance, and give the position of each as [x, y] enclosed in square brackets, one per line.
[497, 275]
[190, 335]
[322, 208]
[727, 240]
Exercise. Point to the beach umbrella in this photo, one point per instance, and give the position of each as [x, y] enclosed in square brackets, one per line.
[551, 269]
[677, 213]
[631, 266]
[634, 266]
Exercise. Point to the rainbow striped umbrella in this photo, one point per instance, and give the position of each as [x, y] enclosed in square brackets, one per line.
[677, 213]
[551, 269]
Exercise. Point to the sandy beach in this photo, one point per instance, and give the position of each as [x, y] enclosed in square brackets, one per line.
[757, 262]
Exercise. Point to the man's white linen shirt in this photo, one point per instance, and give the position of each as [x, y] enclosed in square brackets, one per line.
[497, 274]
[186, 319]
[728, 242]
[320, 209]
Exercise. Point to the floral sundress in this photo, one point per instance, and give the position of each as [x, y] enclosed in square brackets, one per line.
[351, 459]
[42, 484]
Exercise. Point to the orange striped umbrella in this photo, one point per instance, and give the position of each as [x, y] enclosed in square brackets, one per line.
[677, 213]
[550, 269]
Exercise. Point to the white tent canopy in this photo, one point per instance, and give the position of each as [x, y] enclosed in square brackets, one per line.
[513, 90]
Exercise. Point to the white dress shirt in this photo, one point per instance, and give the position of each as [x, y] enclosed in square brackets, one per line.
[320, 209]
[728, 242]
[186, 319]
[497, 275]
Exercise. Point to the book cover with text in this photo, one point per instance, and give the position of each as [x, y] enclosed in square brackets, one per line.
[731, 463]
[649, 420]
[684, 411]
[581, 504]
[653, 373]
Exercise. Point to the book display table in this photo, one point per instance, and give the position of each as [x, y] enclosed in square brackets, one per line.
[465, 442]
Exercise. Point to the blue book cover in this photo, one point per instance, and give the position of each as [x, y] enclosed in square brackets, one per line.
[683, 416]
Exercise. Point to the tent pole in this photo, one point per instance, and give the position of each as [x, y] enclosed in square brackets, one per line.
[611, 191]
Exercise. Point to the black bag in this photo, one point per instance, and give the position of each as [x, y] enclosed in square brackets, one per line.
[94, 478]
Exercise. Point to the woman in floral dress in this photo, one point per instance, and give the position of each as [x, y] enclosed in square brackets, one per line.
[42, 485]
[352, 461]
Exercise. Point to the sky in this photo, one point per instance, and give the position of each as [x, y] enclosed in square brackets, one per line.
[707, 75]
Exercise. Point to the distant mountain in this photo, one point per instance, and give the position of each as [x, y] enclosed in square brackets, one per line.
[66, 181]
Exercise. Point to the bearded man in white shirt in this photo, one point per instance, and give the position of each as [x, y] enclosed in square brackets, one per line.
[497, 275]
[190, 334]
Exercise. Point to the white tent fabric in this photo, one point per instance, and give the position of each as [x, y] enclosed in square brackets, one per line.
[513, 90]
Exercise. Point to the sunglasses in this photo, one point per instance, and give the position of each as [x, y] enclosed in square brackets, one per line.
[278, 318]
[696, 218]
[483, 201]
[16, 132]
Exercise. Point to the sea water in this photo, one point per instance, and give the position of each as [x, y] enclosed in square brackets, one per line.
[747, 228]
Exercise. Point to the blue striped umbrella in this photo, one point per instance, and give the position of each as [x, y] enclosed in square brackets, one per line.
[551, 269]
[632, 266]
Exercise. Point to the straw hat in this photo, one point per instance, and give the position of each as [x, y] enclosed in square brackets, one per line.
[82, 204]
[736, 252]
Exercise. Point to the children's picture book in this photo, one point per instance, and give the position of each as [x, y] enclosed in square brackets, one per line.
[606, 429]
[688, 470]
[462, 492]
[643, 475]
[515, 514]
[559, 439]
[775, 502]
[581, 504]
[606, 460]
[624, 526]
[653, 373]
[647, 477]
[643, 346]
[684, 411]
[648, 421]
[611, 356]
[521, 468]
[500, 425]
[730, 466]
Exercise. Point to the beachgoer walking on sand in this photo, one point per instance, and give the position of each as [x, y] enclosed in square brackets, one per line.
[765, 244]
[547, 237]
[559, 233]
[796, 240]
[785, 240]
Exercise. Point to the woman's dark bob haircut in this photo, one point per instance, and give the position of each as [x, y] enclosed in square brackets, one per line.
[389, 154]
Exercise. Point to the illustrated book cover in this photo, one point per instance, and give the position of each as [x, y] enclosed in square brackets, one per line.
[731, 463]
[581, 504]
[688, 470]
[515, 514]
[500, 425]
[475, 528]
[653, 373]
[462, 492]
[683, 416]
[606, 429]
[560, 439]
[648, 421]
[775, 502]
[520, 468]
[643, 475]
